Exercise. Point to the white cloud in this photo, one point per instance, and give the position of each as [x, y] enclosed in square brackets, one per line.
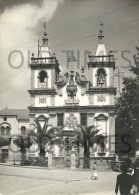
[16, 34]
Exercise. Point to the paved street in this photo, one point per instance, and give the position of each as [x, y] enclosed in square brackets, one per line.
[22, 181]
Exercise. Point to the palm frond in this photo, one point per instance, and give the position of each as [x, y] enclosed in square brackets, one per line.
[31, 133]
[50, 130]
[39, 128]
[57, 131]
[81, 129]
[45, 126]
[56, 141]
[80, 137]
[94, 132]
[35, 127]
[61, 127]
[35, 140]
[48, 136]
[90, 129]
[48, 144]
[54, 131]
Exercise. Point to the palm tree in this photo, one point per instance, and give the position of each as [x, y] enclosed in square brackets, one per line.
[23, 142]
[4, 141]
[87, 137]
[45, 137]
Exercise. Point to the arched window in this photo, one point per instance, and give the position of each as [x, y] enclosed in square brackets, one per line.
[2, 130]
[23, 130]
[7, 130]
[101, 77]
[43, 78]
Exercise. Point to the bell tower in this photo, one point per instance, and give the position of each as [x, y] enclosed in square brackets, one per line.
[101, 65]
[44, 72]
[102, 92]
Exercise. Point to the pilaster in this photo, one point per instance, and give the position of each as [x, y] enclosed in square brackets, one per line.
[32, 100]
[32, 79]
[91, 99]
[111, 138]
[52, 78]
[111, 77]
[53, 119]
[53, 100]
[90, 119]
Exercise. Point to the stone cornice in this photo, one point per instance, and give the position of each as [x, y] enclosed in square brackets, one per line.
[45, 91]
[101, 90]
[81, 109]
[101, 64]
[23, 120]
[46, 66]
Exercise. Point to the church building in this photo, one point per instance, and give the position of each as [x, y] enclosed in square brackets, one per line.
[69, 99]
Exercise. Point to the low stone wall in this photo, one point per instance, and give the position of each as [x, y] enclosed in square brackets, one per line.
[103, 163]
[58, 161]
[38, 161]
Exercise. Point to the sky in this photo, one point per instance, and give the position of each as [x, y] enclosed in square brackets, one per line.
[71, 25]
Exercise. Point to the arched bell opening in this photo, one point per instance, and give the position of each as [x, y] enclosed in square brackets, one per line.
[101, 77]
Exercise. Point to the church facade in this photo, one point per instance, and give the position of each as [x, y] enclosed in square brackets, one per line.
[72, 98]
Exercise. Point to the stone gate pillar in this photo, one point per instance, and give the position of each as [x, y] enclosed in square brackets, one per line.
[73, 159]
[50, 159]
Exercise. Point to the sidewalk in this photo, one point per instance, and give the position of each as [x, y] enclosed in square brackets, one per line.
[18, 165]
[43, 173]
[47, 168]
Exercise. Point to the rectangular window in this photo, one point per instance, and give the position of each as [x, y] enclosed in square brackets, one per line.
[83, 119]
[60, 119]
[5, 118]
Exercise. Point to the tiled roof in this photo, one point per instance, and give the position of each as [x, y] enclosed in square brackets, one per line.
[20, 113]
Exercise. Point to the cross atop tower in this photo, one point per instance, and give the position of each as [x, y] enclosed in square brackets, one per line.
[45, 39]
[100, 36]
[101, 50]
[45, 33]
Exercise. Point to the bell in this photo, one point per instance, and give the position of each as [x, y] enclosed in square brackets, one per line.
[101, 82]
